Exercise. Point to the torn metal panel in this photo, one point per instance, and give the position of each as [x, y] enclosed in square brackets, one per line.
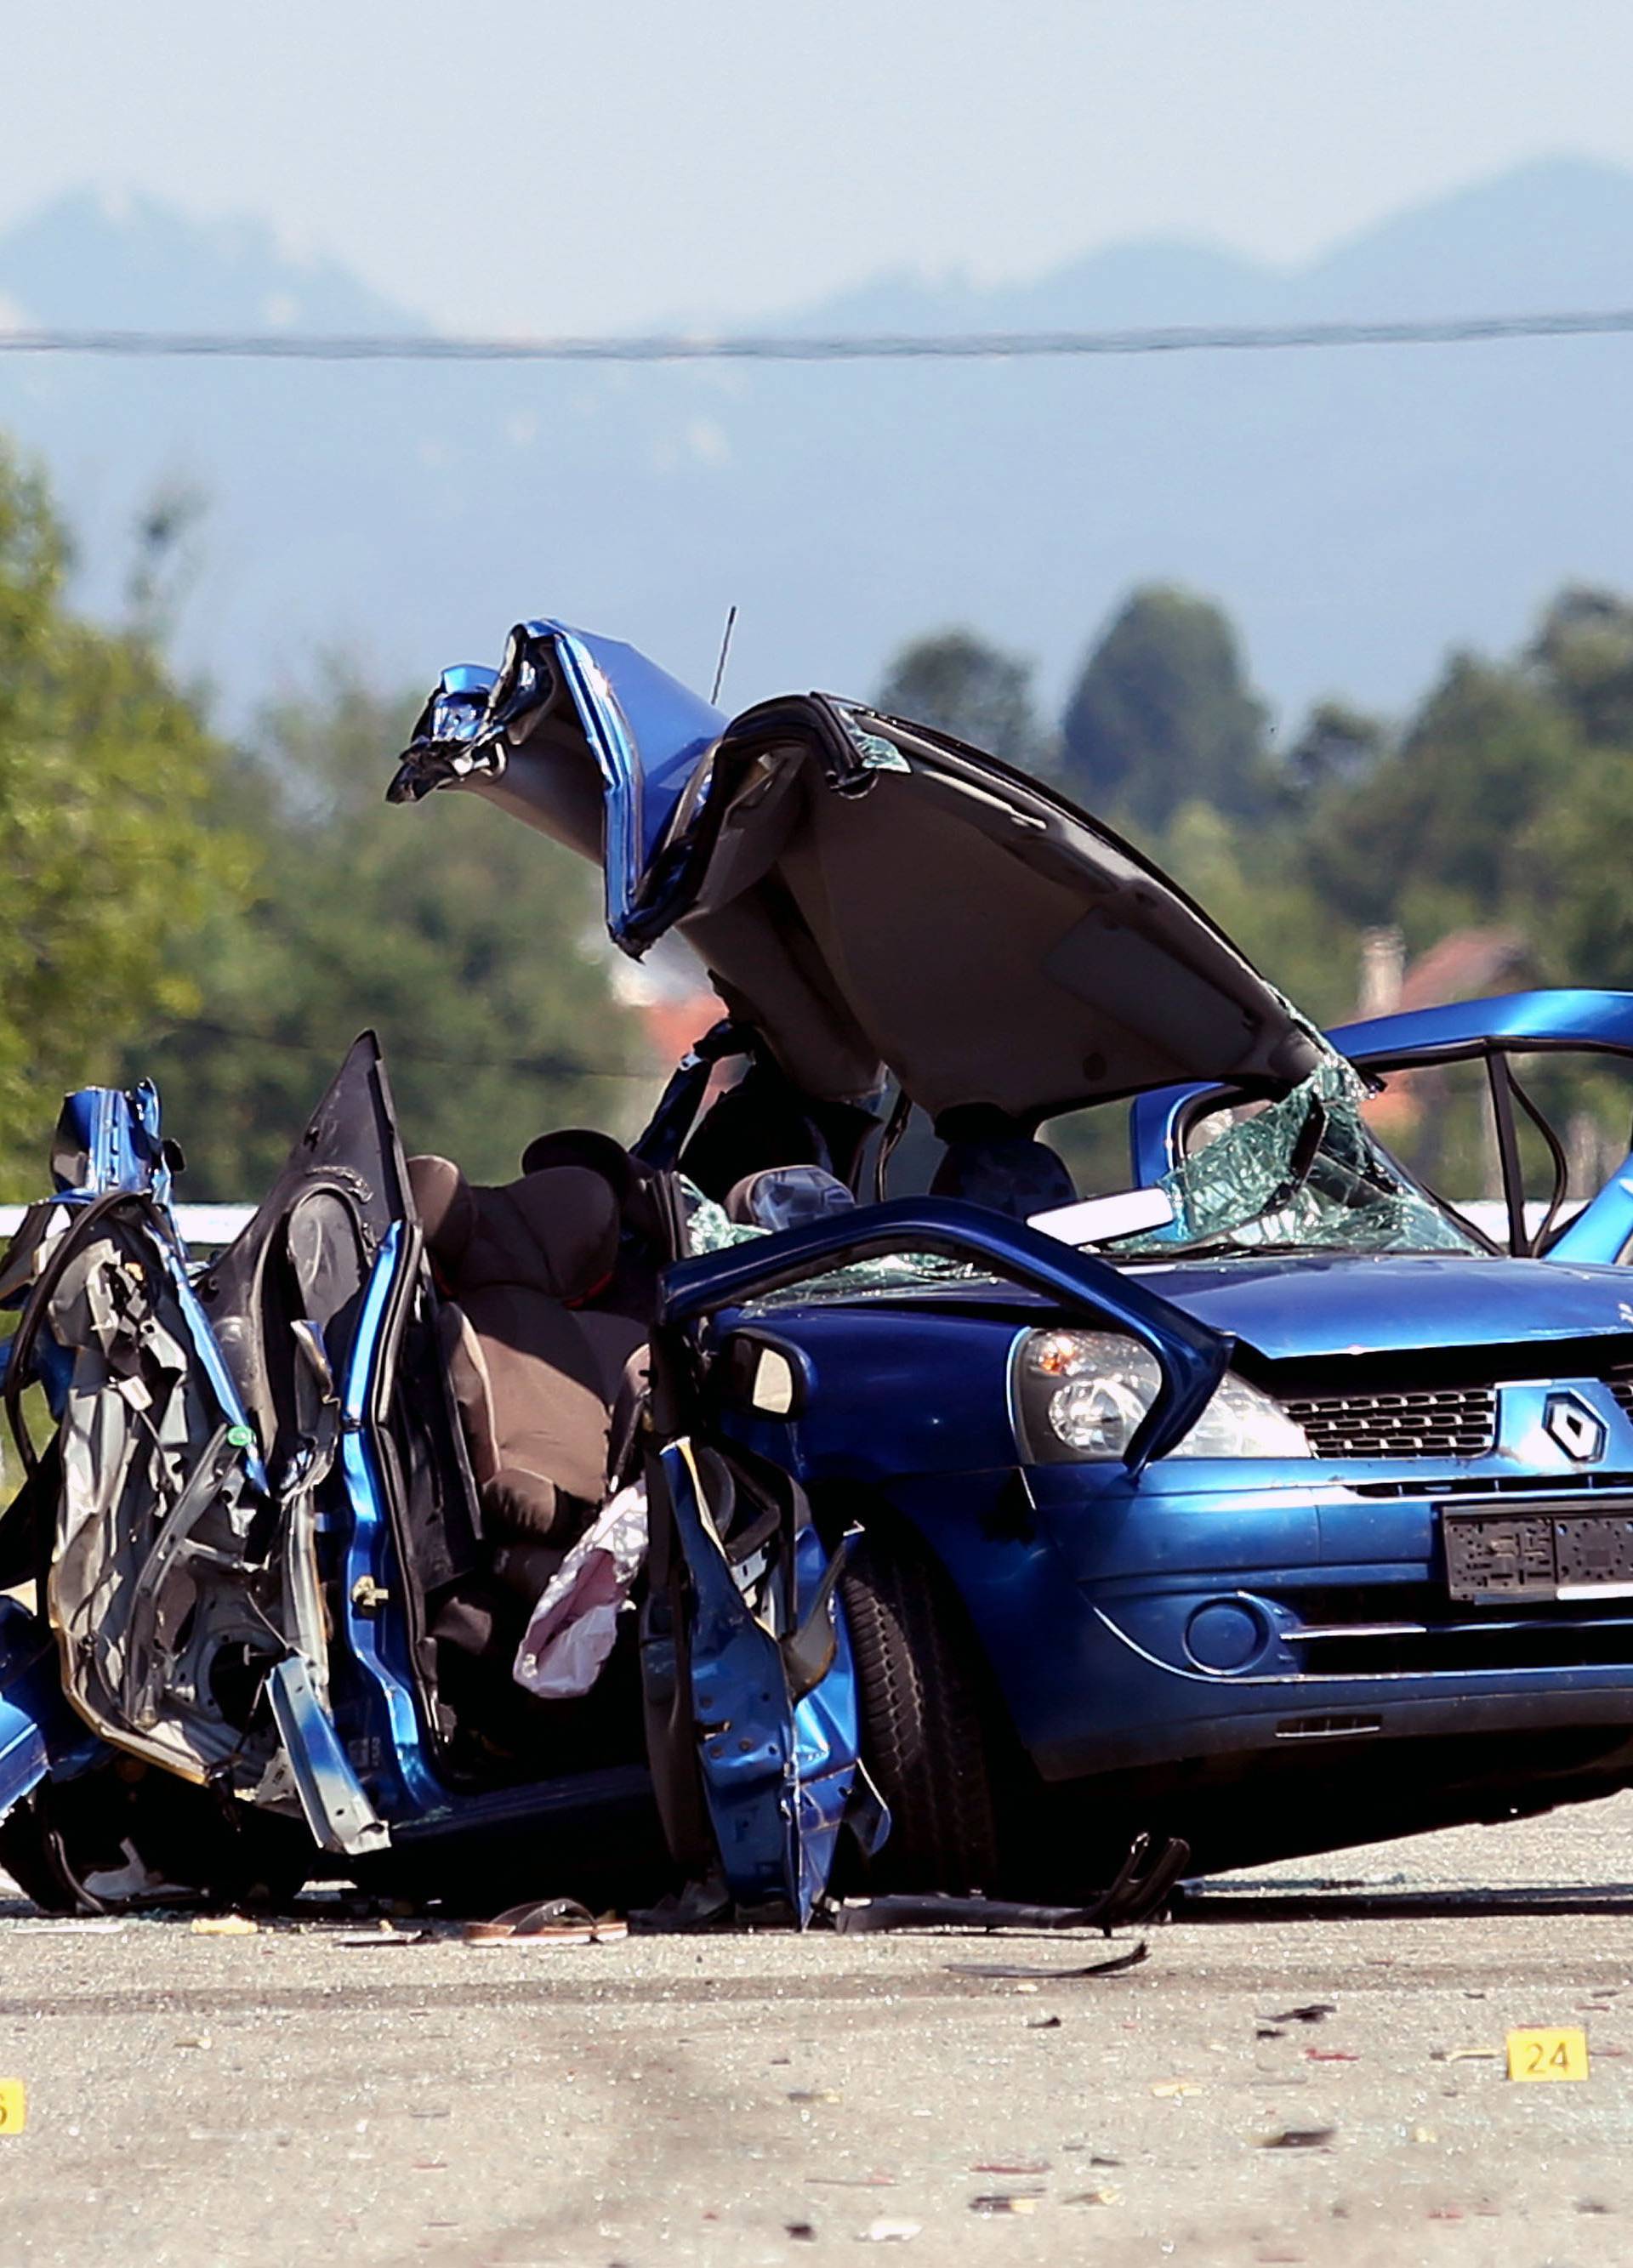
[867, 894]
[777, 1763]
[160, 1608]
[336, 1809]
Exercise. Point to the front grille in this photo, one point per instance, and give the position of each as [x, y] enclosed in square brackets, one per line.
[1622, 1389]
[1452, 1421]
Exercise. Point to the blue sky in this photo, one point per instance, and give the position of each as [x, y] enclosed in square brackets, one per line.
[524, 165]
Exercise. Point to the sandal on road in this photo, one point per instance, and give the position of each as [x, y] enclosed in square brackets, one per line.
[548, 1921]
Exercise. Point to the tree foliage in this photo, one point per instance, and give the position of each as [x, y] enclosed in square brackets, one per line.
[1438, 834]
[963, 685]
[1340, 745]
[1583, 656]
[471, 945]
[108, 858]
[1163, 714]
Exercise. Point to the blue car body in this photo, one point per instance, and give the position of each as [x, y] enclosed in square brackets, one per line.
[1410, 1604]
[356, 1742]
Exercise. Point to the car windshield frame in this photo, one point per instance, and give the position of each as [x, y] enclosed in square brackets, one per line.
[1305, 1174]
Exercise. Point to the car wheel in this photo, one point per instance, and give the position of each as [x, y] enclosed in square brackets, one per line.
[83, 1845]
[924, 1720]
[30, 1853]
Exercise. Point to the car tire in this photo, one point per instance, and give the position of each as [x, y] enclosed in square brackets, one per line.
[66, 1831]
[925, 1737]
[29, 1854]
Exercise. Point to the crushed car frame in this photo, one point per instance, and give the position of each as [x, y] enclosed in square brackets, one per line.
[970, 1535]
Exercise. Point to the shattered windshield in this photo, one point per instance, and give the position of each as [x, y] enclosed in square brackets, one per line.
[710, 1230]
[1303, 1173]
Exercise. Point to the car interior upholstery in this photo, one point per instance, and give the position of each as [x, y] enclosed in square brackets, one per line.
[539, 1372]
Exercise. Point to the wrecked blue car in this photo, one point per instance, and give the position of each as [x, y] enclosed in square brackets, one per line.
[825, 1492]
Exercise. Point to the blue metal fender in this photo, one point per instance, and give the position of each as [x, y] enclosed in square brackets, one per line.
[1191, 1357]
[38, 1729]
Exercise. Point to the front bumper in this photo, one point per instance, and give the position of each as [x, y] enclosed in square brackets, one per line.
[1135, 1710]
[1210, 1610]
[1335, 1623]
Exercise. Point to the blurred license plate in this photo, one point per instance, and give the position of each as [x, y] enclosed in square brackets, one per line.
[1546, 1551]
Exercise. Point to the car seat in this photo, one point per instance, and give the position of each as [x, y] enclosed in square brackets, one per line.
[542, 1381]
[788, 1197]
[1005, 1169]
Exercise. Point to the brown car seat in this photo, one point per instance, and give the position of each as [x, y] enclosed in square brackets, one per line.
[540, 1381]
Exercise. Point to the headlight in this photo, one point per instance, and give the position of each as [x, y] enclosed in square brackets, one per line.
[1080, 1396]
[1241, 1422]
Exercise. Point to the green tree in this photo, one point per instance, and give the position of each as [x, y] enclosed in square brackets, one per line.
[963, 685]
[470, 943]
[1163, 715]
[1339, 746]
[1249, 878]
[1577, 850]
[1437, 835]
[108, 863]
[1583, 656]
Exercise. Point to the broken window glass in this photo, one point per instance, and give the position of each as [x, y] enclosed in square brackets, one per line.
[709, 1230]
[1301, 1174]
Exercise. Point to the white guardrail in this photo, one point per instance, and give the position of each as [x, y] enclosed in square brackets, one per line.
[208, 1228]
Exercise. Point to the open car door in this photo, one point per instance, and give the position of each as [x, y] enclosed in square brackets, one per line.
[210, 1423]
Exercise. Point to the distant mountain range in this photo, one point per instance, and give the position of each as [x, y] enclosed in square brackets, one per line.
[1357, 511]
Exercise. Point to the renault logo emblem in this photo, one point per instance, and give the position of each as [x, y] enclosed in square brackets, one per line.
[1579, 1433]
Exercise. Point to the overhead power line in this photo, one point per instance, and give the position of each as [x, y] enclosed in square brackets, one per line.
[862, 346]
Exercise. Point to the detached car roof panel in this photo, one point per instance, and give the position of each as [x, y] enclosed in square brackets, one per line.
[872, 896]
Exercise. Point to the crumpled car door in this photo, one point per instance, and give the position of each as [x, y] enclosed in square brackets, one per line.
[750, 1686]
[753, 1728]
[199, 1418]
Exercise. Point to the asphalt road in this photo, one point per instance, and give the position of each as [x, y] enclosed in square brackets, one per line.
[295, 2096]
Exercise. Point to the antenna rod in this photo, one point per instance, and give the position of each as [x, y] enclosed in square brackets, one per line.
[720, 667]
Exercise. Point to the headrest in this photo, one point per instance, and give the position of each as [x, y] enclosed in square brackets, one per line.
[1008, 1172]
[446, 1207]
[632, 1183]
[569, 1215]
[583, 1146]
[555, 1231]
[788, 1197]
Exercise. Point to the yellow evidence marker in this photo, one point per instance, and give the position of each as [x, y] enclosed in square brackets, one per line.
[13, 2106]
[1543, 2054]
